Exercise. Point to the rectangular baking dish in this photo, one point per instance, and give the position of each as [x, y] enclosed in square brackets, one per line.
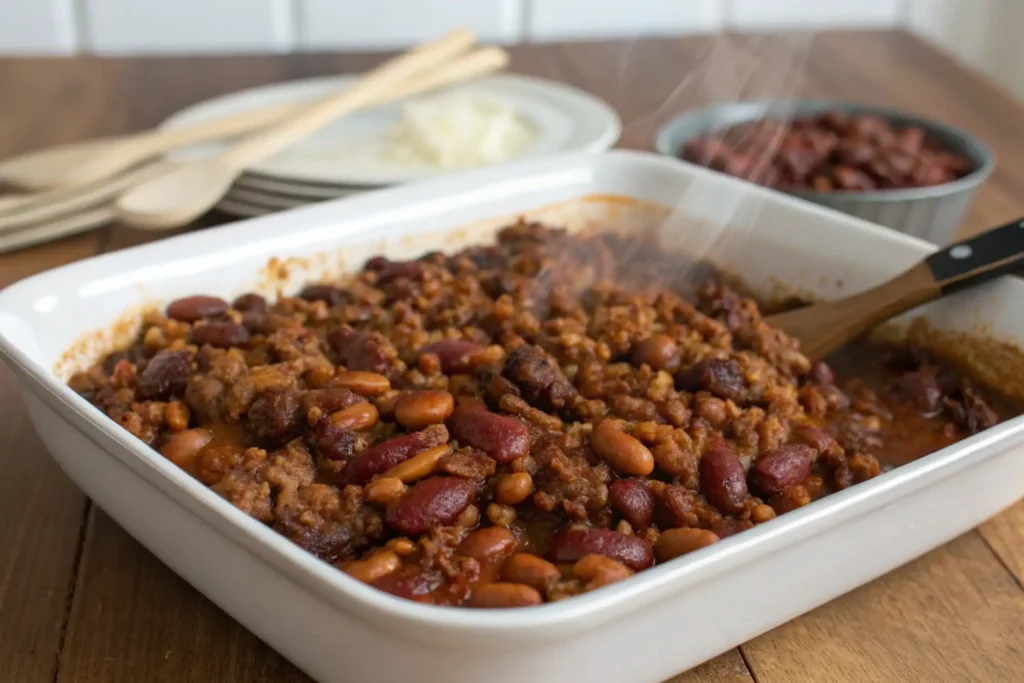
[648, 628]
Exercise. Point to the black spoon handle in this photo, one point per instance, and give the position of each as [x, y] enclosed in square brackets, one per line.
[984, 257]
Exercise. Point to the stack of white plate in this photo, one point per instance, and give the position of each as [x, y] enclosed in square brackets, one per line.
[346, 158]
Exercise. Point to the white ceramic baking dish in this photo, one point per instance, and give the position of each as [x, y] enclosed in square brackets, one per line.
[645, 629]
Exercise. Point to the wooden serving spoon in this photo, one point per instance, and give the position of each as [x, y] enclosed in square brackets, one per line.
[87, 162]
[823, 328]
[192, 189]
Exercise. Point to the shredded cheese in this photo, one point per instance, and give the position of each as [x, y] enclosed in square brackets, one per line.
[457, 131]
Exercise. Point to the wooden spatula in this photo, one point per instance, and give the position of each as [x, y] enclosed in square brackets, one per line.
[822, 328]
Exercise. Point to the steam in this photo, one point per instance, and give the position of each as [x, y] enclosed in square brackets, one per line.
[708, 221]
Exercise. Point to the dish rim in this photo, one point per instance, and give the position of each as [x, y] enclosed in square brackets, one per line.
[581, 613]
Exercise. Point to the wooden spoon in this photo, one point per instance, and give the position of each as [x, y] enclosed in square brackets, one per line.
[823, 328]
[186, 193]
[50, 204]
[86, 162]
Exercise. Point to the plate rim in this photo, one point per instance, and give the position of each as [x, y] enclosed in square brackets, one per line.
[609, 135]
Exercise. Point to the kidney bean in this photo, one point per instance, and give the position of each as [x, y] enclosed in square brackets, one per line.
[183, 447]
[420, 409]
[420, 465]
[362, 383]
[275, 416]
[722, 479]
[634, 501]
[373, 568]
[513, 489]
[723, 377]
[488, 544]
[502, 437]
[620, 450]
[454, 354]
[531, 570]
[165, 375]
[673, 543]
[781, 467]
[222, 335]
[385, 455]
[357, 418]
[194, 308]
[384, 490]
[250, 302]
[598, 570]
[573, 544]
[500, 595]
[432, 502]
[326, 293]
[822, 374]
[922, 389]
[330, 400]
[659, 351]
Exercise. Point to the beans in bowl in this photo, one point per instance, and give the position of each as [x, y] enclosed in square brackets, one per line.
[828, 152]
[519, 423]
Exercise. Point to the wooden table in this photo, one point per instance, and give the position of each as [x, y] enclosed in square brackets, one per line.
[81, 601]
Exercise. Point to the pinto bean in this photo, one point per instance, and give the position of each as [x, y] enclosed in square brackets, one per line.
[499, 595]
[620, 450]
[420, 409]
[455, 354]
[673, 543]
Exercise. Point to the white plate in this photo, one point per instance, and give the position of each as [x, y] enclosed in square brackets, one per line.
[294, 189]
[564, 119]
[641, 630]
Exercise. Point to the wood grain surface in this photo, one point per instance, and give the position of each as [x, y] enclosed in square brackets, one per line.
[80, 601]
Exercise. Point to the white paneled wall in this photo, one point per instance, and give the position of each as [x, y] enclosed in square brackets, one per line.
[986, 34]
[983, 33]
[160, 26]
[567, 19]
[395, 23]
[203, 26]
[38, 27]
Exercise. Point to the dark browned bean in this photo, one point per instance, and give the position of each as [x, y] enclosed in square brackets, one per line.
[488, 544]
[275, 416]
[922, 389]
[634, 501]
[421, 409]
[165, 375]
[432, 502]
[250, 302]
[659, 351]
[194, 308]
[572, 545]
[500, 595]
[781, 467]
[822, 374]
[223, 335]
[620, 450]
[673, 543]
[722, 479]
[502, 437]
[326, 293]
[454, 354]
[330, 400]
[384, 456]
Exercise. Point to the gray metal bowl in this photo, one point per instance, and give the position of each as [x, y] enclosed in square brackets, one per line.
[932, 213]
